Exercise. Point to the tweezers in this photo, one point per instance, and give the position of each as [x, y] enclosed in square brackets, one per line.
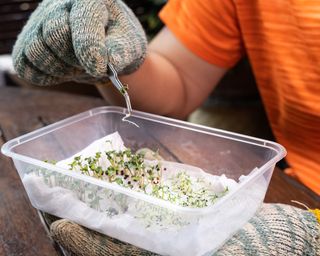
[113, 76]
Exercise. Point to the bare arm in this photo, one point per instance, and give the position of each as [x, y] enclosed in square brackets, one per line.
[172, 81]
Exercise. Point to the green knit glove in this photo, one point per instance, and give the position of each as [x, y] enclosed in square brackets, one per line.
[276, 230]
[75, 40]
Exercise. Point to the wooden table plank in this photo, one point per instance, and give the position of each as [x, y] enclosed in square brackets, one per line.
[284, 189]
[22, 111]
[21, 233]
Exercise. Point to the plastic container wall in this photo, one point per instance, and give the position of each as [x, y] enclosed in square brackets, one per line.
[154, 223]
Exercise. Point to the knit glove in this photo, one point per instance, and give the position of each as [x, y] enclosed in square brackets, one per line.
[276, 230]
[75, 40]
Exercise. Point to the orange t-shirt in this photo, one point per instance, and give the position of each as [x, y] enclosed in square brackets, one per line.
[282, 42]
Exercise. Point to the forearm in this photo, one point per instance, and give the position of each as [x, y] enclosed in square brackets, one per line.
[157, 87]
[172, 81]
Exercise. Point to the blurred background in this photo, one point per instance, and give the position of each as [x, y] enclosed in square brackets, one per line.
[235, 104]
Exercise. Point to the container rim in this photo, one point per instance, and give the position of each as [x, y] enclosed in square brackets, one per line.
[7, 149]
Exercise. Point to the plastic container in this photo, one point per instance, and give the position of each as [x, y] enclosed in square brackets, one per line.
[142, 220]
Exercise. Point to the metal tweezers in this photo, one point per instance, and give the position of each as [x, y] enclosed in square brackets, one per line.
[113, 76]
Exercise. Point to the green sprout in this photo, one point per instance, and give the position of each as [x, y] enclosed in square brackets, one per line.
[129, 170]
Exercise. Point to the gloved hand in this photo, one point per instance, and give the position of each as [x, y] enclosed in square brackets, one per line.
[75, 39]
[296, 229]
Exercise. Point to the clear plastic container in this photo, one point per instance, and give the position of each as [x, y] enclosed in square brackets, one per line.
[147, 222]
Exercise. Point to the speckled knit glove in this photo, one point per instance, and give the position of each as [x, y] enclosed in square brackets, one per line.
[75, 39]
[276, 230]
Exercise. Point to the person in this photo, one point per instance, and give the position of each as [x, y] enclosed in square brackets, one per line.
[76, 39]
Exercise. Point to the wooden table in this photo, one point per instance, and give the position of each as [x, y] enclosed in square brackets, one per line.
[22, 111]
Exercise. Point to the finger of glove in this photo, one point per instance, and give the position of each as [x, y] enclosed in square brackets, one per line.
[27, 71]
[33, 45]
[87, 21]
[18, 52]
[89, 242]
[126, 41]
[41, 56]
[88, 79]
[57, 33]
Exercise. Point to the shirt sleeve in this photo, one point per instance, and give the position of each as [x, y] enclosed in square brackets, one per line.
[209, 28]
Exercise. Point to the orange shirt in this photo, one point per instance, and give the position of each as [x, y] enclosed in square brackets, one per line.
[282, 42]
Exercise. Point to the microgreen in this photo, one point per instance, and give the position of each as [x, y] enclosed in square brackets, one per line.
[130, 170]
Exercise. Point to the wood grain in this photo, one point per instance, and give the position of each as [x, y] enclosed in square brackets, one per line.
[21, 231]
[284, 189]
[22, 111]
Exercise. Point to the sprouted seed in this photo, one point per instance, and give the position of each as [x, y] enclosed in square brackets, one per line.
[130, 170]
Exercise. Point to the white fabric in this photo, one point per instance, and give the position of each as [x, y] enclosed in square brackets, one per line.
[129, 225]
